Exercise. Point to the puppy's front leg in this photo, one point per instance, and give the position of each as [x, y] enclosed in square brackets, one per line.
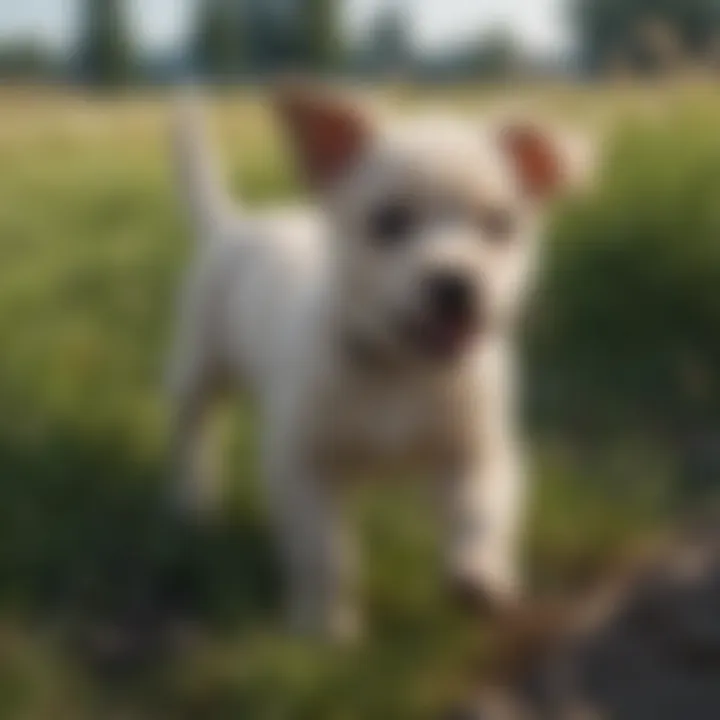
[317, 550]
[485, 508]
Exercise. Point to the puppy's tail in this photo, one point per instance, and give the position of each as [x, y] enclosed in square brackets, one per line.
[201, 187]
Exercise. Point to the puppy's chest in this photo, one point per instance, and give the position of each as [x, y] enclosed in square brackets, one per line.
[371, 426]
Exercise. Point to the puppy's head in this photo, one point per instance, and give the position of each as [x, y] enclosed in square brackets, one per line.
[435, 221]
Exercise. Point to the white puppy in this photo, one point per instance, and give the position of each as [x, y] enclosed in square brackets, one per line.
[373, 330]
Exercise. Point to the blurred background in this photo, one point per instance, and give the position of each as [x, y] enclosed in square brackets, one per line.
[108, 610]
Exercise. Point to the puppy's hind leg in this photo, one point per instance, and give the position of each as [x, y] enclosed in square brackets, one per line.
[194, 385]
[195, 478]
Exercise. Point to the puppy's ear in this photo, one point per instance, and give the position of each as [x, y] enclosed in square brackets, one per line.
[547, 162]
[329, 132]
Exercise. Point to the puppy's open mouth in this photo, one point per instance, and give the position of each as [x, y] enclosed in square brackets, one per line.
[440, 340]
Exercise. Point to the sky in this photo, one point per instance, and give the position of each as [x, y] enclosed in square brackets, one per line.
[162, 23]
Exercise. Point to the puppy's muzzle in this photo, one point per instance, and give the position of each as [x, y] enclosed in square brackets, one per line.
[451, 315]
[452, 298]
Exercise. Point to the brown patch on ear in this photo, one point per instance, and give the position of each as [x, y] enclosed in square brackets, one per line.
[329, 132]
[537, 159]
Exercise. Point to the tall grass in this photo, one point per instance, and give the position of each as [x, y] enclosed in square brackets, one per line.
[90, 253]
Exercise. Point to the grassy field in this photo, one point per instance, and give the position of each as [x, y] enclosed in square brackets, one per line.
[90, 254]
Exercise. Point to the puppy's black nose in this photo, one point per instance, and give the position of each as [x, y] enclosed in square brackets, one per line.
[451, 296]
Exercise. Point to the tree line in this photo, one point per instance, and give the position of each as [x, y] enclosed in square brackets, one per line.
[231, 39]
[227, 38]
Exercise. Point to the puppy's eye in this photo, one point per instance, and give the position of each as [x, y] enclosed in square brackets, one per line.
[392, 223]
[498, 224]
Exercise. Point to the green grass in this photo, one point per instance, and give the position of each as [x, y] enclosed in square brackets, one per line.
[90, 255]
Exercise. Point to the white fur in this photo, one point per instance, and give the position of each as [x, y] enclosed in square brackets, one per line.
[268, 298]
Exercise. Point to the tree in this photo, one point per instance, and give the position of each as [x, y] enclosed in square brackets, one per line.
[274, 33]
[633, 29]
[266, 35]
[390, 41]
[496, 55]
[26, 59]
[320, 44]
[105, 47]
[218, 41]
